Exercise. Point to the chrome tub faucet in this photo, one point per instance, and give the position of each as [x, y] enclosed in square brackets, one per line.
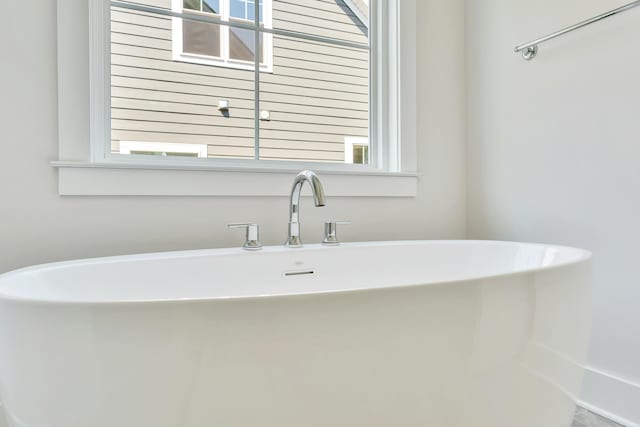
[319, 198]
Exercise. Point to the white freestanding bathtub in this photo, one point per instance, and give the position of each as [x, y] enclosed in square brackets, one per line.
[394, 334]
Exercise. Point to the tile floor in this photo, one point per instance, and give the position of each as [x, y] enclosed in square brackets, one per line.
[585, 418]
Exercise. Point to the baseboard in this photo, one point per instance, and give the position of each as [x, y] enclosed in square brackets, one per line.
[611, 397]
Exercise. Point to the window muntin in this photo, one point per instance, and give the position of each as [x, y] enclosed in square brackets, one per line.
[316, 96]
[245, 9]
[218, 44]
[208, 6]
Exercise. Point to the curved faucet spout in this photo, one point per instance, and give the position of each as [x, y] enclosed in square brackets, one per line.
[316, 187]
[319, 199]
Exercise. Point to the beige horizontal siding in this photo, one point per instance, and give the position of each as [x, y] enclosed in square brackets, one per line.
[328, 129]
[317, 70]
[217, 92]
[313, 66]
[245, 111]
[319, 12]
[300, 145]
[315, 133]
[186, 128]
[317, 6]
[300, 160]
[127, 39]
[318, 27]
[181, 138]
[135, 35]
[143, 68]
[230, 125]
[295, 135]
[214, 119]
[124, 28]
[317, 93]
[234, 152]
[269, 92]
[298, 104]
[141, 19]
[276, 153]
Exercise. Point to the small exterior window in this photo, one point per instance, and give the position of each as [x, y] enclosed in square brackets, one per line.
[356, 150]
[218, 44]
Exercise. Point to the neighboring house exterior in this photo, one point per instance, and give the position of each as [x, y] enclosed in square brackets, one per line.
[314, 97]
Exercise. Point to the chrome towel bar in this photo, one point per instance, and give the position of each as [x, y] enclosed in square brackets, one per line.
[530, 50]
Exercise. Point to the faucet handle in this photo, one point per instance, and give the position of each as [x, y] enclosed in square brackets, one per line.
[330, 232]
[252, 241]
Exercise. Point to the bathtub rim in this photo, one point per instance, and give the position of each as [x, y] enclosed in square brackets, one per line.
[583, 256]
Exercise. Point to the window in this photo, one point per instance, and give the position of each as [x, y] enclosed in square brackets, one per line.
[187, 74]
[326, 85]
[217, 44]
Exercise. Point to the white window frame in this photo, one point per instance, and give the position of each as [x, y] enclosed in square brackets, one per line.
[85, 166]
[178, 53]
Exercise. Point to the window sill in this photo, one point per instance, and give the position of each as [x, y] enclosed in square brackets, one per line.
[218, 62]
[107, 179]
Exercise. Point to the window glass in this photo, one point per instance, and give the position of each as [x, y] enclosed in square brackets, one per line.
[360, 154]
[251, 11]
[211, 6]
[245, 9]
[238, 9]
[191, 4]
[201, 38]
[334, 19]
[242, 45]
[182, 81]
[316, 98]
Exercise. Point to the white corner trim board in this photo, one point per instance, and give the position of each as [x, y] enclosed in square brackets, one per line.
[612, 397]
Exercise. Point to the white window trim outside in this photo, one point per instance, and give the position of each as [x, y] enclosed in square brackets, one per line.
[224, 61]
[126, 147]
[85, 167]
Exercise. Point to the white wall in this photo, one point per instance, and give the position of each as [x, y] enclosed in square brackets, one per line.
[37, 225]
[554, 156]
